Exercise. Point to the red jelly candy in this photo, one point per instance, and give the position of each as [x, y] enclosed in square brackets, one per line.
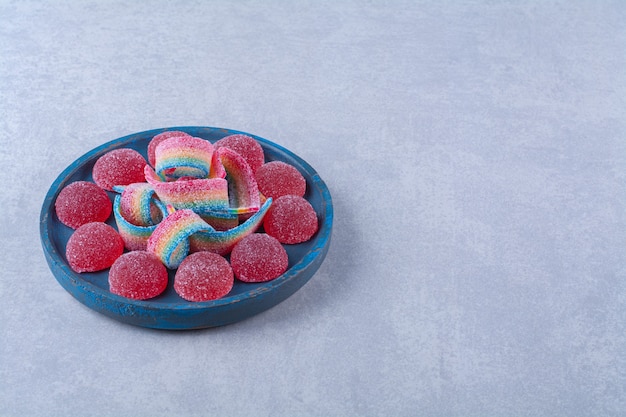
[119, 167]
[277, 178]
[154, 142]
[290, 219]
[93, 247]
[82, 202]
[245, 146]
[258, 258]
[139, 275]
[203, 276]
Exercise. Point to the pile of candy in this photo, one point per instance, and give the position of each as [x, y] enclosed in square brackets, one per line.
[195, 207]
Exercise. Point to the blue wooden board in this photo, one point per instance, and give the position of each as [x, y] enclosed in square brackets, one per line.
[168, 310]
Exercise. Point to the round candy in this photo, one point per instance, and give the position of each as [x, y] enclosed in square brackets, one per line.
[203, 276]
[138, 275]
[82, 202]
[93, 247]
[119, 167]
[278, 178]
[258, 258]
[290, 219]
[245, 146]
[154, 142]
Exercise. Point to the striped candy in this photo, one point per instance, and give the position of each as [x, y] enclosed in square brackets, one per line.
[222, 242]
[203, 196]
[139, 204]
[242, 186]
[136, 212]
[183, 156]
[169, 241]
[230, 189]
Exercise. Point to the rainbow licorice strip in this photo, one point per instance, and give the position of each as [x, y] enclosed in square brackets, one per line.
[242, 186]
[135, 237]
[221, 220]
[223, 242]
[203, 196]
[183, 156]
[169, 241]
[183, 231]
[139, 205]
[237, 193]
[217, 169]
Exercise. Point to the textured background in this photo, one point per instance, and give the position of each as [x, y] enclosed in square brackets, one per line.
[476, 154]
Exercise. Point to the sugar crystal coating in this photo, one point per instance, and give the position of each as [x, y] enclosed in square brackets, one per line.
[93, 247]
[119, 167]
[258, 258]
[170, 239]
[203, 276]
[223, 242]
[277, 178]
[139, 275]
[183, 156]
[135, 236]
[242, 186]
[200, 195]
[291, 219]
[154, 142]
[139, 206]
[82, 202]
[245, 146]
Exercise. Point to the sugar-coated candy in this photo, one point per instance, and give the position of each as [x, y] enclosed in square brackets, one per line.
[221, 220]
[222, 242]
[258, 257]
[217, 169]
[203, 276]
[170, 239]
[246, 146]
[183, 156]
[93, 247]
[139, 205]
[119, 167]
[243, 192]
[291, 220]
[135, 237]
[154, 142]
[236, 194]
[138, 275]
[277, 178]
[203, 196]
[82, 202]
